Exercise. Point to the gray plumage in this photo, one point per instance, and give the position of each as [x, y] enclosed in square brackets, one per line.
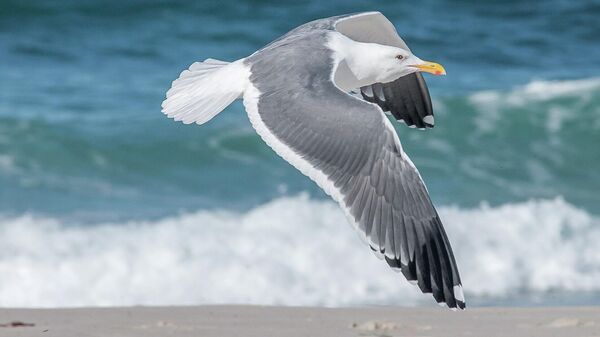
[352, 143]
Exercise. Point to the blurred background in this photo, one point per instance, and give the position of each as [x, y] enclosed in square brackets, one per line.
[104, 201]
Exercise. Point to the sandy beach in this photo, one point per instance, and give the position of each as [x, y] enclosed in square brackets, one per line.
[258, 321]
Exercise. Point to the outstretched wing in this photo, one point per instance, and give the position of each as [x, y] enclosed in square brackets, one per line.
[349, 148]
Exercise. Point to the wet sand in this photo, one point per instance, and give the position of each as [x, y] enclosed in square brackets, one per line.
[257, 321]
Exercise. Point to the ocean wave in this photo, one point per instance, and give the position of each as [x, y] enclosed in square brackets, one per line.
[540, 95]
[539, 90]
[550, 104]
[541, 106]
[290, 251]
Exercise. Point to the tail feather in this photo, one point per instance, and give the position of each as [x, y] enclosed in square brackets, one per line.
[204, 90]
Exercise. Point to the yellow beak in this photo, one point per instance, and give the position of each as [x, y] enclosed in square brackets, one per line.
[431, 67]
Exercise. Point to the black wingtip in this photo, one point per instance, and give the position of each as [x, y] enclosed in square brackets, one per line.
[454, 306]
[407, 99]
[455, 299]
[430, 265]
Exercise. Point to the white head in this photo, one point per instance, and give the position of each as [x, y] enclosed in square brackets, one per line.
[371, 62]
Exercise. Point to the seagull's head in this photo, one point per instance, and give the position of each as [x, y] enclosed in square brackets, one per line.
[392, 63]
[370, 63]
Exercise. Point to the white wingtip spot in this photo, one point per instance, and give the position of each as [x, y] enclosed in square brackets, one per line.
[429, 120]
[458, 293]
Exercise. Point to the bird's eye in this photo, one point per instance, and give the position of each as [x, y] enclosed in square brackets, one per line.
[399, 57]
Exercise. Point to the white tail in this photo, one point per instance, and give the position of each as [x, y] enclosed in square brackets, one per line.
[204, 90]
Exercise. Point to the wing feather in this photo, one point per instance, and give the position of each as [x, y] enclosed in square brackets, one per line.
[407, 99]
[350, 149]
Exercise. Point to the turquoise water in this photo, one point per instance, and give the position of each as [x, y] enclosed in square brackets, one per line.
[83, 144]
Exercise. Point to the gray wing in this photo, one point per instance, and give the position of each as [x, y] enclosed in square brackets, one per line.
[351, 150]
[407, 99]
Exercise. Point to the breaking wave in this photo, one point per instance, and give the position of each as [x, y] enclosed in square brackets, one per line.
[290, 251]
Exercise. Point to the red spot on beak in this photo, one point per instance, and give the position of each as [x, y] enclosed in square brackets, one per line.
[431, 67]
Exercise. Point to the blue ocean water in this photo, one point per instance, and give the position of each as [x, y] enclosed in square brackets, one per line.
[102, 194]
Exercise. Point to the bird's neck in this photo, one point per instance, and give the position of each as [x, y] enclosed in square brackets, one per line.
[356, 62]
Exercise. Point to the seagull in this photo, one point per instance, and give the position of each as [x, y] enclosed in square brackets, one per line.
[318, 96]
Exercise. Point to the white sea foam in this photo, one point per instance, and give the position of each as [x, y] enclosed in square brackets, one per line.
[292, 251]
